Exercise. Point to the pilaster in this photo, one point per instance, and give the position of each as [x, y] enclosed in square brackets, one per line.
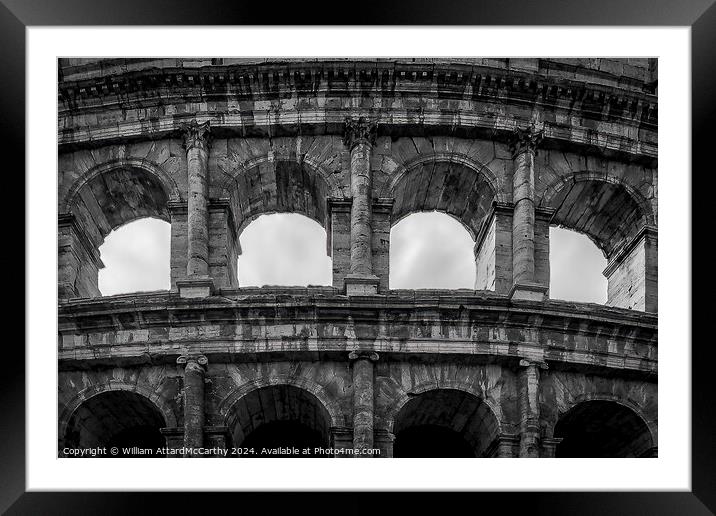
[632, 273]
[381, 224]
[78, 260]
[224, 246]
[338, 240]
[493, 250]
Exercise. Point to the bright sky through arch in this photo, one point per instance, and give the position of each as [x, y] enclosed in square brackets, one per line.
[136, 258]
[428, 250]
[576, 266]
[431, 250]
[284, 249]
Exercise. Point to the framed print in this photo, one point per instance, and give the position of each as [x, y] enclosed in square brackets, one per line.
[425, 246]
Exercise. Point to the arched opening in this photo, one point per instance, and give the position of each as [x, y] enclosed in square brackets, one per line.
[431, 250]
[284, 249]
[121, 419]
[608, 213]
[445, 423]
[136, 258]
[106, 199]
[279, 417]
[620, 220]
[576, 267]
[463, 191]
[602, 429]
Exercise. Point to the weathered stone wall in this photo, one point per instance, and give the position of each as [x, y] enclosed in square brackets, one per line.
[509, 147]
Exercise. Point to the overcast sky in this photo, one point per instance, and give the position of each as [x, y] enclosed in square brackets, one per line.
[428, 250]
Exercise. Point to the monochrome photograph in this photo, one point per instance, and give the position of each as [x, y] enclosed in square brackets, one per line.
[359, 257]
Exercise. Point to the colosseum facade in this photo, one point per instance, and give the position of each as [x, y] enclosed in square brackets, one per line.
[508, 147]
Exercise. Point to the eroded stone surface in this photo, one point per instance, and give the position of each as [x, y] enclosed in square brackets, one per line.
[356, 146]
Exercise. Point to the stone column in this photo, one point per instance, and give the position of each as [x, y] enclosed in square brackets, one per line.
[196, 143]
[194, 370]
[529, 407]
[359, 138]
[524, 147]
[363, 403]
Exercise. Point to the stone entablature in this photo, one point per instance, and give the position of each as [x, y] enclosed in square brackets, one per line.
[156, 328]
[312, 98]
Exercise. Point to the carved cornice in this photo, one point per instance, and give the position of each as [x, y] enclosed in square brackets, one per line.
[196, 135]
[359, 131]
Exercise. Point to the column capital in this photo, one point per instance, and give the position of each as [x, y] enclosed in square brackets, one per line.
[363, 354]
[525, 139]
[193, 361]
[196, 135]
[359, 130]
[537, 363]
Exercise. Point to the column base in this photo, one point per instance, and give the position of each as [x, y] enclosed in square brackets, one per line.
[504, 446]
[341, 437]
[195, 287]
[528, 292]
[217, 437]
[361, 285]
[549, 446]
[174, 439]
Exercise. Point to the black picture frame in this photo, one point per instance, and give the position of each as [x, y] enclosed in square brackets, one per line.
[700, 15]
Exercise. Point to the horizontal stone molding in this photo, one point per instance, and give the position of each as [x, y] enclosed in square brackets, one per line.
[149, 329]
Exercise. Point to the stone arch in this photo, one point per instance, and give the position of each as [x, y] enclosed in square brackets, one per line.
[170, 186]
[605, 208]
[601, 396]
[279, 415]
[632, 426]
[331, 405]
[459, 422]
[140, 388]
[405, 396]
[117, 192]
[448, 182]
[145, 393]
[279, 184]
